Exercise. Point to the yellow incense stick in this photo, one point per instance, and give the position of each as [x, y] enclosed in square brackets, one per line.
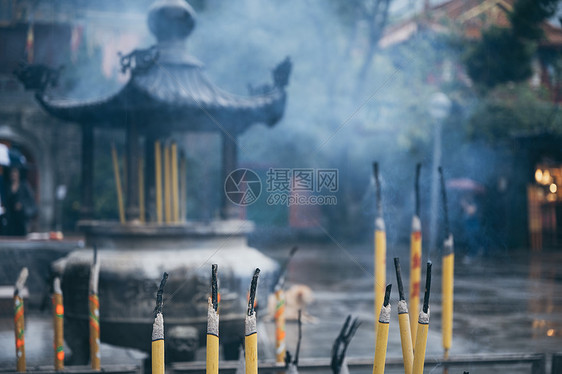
[157, 352]
[118, 184]
[213, 326]
[415, 258]
[448, 275]
[141, 191]
[167, 186]
[19, 323]
[380, 263]
[58, 325]
[415, 273]
[404, 322]
[158, 177]
[380, 248]
[251, 330]
[423, 327]
[183, 188]
[447, 298]
[175, 183]
[382, 334]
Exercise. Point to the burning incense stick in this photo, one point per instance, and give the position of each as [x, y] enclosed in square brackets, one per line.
[404, 322]
[279, 316]
[415, 259]
[19, 322]
[58, 322]
[448, 275]
[94, 305]
[118, 184]
[380, 247]
[158, 177]
[213, 325]
[382, 334]
[158, 365]
[251, 339]
[423, 326]
[341, 343]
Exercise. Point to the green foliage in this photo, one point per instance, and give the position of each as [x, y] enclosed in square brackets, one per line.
[511, 110]
[504, 54]
[499, 57]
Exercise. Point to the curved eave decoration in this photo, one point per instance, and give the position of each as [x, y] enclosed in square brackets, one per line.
[179, 97]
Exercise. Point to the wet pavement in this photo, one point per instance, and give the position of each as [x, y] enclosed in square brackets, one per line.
[506, 304]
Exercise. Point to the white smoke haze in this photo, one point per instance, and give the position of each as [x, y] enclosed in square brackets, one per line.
[333, 119]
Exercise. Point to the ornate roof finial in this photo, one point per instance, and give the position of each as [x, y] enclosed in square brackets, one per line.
[171, 20]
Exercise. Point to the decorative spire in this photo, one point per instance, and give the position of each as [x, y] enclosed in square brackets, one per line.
[171, 20]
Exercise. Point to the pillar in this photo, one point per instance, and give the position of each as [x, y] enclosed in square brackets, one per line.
[229, 164]
[132, 210]
[87, 206]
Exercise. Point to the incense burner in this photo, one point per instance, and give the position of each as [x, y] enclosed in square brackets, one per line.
[133, 258]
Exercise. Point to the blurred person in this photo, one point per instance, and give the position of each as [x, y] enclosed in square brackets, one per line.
[472, 229]
[20, 204]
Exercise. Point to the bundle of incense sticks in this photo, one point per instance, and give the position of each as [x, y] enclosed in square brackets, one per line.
[19, 323]
[213, 325]
[251, 331]
[158, 365]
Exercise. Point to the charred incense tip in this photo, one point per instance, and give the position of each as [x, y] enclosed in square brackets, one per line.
[20, 282]
[212, 320]
[402, 307]
[56, 286]
[159, 298]
[293, 250]
[399, 278]
[283, 271]
[427, 287]
[253, 287]
[387, 295]
[417, 188]
[158, 327]
[377, 188]
[445, 204]
[95, 261]
[214, 287]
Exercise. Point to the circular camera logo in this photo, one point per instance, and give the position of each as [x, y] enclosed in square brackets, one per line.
[242, 187]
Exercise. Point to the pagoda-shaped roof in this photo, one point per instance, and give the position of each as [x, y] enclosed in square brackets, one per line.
[168, 88]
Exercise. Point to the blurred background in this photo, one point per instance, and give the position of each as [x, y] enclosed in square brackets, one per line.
[473, 86]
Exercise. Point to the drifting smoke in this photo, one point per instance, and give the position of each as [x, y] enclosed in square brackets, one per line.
[332, 120]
